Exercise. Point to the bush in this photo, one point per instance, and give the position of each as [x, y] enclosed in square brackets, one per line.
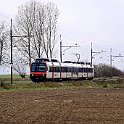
[5, 85]
[103, 70]
[1, 83]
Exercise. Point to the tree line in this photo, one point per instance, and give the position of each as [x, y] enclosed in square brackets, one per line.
[103, 70]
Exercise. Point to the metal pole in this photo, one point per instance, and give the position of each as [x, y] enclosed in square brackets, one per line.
[111, 57]
[60, 49]
[11, 54]
[111, 60]
[91, 55]
[64, 50]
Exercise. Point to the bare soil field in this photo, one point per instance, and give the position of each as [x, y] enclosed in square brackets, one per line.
[63, 106]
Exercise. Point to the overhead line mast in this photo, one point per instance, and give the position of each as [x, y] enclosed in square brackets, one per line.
[111, 57]
[11, 39]
[68, 47]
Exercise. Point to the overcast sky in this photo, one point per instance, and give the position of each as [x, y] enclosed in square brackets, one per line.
[84, 21]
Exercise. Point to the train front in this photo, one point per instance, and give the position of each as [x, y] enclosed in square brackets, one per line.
[38, 72]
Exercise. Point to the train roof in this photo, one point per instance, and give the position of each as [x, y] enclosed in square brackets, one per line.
[68, 64]
[39, 60]
[65, 63]
[87, 63]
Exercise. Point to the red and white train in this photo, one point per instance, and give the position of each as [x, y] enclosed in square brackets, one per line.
[51, 69]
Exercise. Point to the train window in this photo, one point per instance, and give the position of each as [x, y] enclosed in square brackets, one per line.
[51, 69]
[42, 68]
[72, 69]
[57, 69]
[38, 67]
[91, 70]
[64, 69]
[88, 70]
[85, 70]
[68, 69]
[80, 69]
[76, 69]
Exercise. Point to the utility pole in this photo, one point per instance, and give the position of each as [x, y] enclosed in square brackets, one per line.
[94, 52]
[11, 53]
[68, 47]
[60, 48]
[91, 55]
[111, 59]
[11, 38]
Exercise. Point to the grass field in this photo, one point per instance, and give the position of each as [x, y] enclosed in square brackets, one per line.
[26, 84]
[15, 77]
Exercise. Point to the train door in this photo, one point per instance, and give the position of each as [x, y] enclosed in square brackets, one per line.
[68, 74]
[74, 72]
[50, 72]
[85, 74]
[57, 72]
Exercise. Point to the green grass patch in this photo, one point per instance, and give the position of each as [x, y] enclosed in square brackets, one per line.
[22, 85]
[16, 77]
[28, 86]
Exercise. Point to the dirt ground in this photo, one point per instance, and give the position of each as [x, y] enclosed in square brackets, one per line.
[63, 106]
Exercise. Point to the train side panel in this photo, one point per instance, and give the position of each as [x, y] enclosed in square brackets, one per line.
[49, 70]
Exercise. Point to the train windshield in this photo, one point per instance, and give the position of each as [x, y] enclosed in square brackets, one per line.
[38, 67]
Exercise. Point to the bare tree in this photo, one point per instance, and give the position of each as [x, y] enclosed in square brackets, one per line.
[51, 26]
[39, 31]
[19, 67]
[25, 23]
[3, 44]
[38, 22]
